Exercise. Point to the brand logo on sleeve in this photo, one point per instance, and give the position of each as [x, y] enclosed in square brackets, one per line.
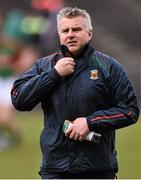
[94, 74]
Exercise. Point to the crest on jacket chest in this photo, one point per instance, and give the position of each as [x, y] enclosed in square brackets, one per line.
[94, 74]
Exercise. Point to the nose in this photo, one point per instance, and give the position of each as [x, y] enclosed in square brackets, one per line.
[70, 33]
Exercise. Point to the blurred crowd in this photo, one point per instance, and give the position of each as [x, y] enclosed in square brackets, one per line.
[24, 37]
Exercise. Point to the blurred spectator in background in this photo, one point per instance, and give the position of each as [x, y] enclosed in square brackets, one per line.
[48, 10]
[16, 56]
[24, 37]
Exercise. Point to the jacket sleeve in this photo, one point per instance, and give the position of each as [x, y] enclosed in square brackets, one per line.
[124, 110]
[28, 90]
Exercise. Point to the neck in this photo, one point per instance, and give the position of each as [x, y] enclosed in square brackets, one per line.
[83, 51]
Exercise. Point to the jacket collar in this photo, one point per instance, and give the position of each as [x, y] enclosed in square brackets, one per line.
[82, 61]
[87, 50]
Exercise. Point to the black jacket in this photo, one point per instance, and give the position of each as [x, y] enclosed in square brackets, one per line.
[98, 90]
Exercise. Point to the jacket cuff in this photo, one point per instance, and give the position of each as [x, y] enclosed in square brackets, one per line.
[90, 124]
[55, 75]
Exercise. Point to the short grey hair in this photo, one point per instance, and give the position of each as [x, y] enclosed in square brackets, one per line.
[70, 12]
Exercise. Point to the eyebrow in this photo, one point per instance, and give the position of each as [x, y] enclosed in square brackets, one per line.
[73, 28]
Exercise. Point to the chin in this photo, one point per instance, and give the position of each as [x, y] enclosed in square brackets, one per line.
[73, 50]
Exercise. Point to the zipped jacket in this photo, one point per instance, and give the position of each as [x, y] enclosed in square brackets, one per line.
[98, 90]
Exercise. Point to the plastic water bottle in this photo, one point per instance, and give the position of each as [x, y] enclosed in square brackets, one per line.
[91, 136]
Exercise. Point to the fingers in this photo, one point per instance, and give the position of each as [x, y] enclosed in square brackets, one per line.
[69, 64]
[78, 130]
[72, 134]
[76, 136]
[65, 66]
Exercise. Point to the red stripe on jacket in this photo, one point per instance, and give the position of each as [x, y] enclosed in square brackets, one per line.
[110, 117]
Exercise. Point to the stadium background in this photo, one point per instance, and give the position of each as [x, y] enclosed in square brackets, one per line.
[117, 28]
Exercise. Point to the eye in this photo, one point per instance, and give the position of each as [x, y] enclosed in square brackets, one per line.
[65, 30]
[78, 29]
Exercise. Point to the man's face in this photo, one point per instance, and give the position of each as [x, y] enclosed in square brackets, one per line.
[74, 34]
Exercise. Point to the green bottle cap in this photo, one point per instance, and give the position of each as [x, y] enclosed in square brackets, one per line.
[66, 125]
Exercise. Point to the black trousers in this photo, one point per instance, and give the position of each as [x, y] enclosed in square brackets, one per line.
[107, 174]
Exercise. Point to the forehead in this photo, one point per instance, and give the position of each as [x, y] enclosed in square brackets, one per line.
[78, 21]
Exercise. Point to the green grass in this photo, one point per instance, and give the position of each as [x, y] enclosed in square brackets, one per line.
[23, 161]
[129, 151]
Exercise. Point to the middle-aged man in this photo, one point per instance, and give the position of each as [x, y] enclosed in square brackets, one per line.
[86, 87]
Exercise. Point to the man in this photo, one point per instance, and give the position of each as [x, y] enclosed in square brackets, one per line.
[86, 87]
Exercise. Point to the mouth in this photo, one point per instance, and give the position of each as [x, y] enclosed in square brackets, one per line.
[71, 43]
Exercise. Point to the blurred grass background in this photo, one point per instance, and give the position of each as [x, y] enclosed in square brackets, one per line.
[23, 161]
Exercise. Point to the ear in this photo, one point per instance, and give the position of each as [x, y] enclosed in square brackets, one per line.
[90, 34]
